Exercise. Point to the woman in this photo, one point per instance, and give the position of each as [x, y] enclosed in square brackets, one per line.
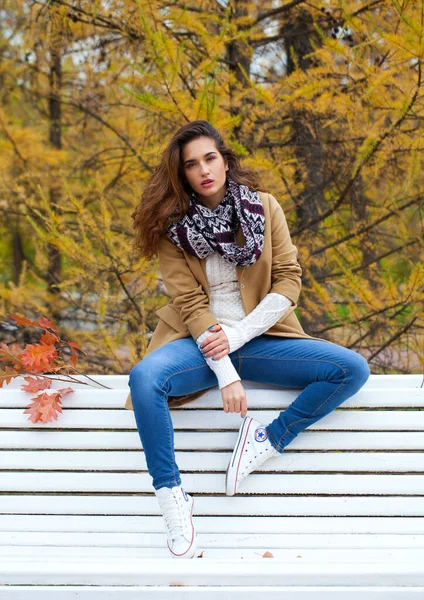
[212, 230]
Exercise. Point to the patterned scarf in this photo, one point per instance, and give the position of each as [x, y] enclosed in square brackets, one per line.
[203, 231]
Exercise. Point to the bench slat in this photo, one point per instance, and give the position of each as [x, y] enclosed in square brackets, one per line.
[214, 524]
[391, 567]
[132, 541]
[241, 592]
[210, 440]
[201, 483]
[275, 398]
[409, 380]
[366, 462]
[398, 420]
[399, 506]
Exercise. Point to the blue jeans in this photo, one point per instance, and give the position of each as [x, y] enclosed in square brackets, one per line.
[328, 373]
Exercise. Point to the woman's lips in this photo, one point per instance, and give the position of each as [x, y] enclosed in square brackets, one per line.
[207, 184]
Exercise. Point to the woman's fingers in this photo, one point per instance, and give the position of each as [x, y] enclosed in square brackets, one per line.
[216, 347]
[216, 353]
[235, 405]
[229, 406]
[220, 355]
[234, 398]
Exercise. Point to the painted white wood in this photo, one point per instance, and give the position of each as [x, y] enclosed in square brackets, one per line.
[210, 440]
[339, 509]
[77, 592]
[348, 462]
[386, 506]
[246, 571]
[121, 382]
[200, 483]
[297, 555]
[215, 524]
[275, 398]
[130, 543]
[400, 420]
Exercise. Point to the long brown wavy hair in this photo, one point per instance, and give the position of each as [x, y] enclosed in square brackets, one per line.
[166, 197]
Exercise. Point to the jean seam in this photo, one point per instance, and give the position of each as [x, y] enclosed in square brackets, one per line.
[186, 370]
[322, 404]
[183, 371]
[306, 418]
[271, 437]
[167, 419]
[304, 359]
[175, 481]
[166, 409]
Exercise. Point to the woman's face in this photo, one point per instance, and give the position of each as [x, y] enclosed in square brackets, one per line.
[201, 162]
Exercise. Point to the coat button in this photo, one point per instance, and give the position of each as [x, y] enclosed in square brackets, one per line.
[242, 285]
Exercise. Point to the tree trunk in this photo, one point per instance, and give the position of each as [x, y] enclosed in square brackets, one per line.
[55, 79]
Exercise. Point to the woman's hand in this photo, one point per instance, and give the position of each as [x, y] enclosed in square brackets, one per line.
[234, 398]
[216, 345]
[233, 395]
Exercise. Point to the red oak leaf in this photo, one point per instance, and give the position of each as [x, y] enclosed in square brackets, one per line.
[64, 391]
[38, 357]
[75, 346]
[23, 320]
[10, 354]
[49, 338]
[7, 378]
[35, 384]
[42, 322]
[74, 356]
[44, 407]
[46, 324]
[55, 368]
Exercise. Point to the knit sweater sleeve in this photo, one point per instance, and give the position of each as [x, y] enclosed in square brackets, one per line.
[223, 368]
[265, 315]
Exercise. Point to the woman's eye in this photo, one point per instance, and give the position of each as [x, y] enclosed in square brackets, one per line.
[209, 158]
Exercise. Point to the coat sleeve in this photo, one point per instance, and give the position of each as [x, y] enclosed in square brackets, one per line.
[285, 270]
[186, 292]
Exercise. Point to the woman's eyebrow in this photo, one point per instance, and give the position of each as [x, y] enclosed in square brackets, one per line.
[190, 159]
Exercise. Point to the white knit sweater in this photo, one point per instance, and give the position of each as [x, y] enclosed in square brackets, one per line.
[227, 306]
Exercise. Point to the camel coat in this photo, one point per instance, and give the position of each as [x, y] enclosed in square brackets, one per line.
[187, 313]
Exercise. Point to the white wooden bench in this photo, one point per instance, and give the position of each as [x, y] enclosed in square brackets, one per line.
[341, 511]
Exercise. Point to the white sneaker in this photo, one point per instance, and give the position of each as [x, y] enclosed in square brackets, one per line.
[177, 508]
[251, 450]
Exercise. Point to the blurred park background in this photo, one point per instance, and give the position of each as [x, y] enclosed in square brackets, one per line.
[324, 99]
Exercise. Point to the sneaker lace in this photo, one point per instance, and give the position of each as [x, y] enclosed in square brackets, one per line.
[257, 459]
[173, 513]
